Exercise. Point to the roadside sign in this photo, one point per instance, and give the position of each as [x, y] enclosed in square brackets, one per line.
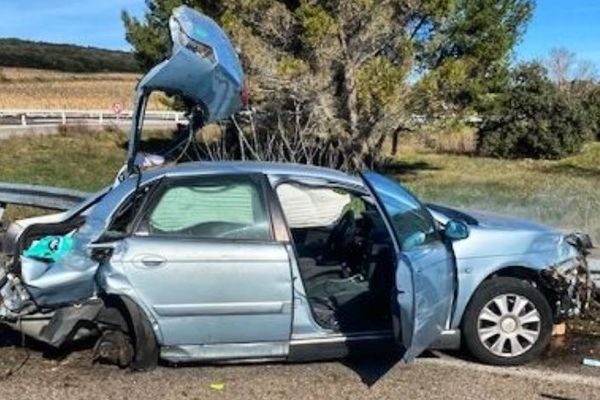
[117, 108]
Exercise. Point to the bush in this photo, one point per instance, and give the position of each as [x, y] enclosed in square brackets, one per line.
[534, 120]
[590, 100]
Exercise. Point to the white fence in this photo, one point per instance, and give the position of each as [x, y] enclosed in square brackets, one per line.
[27, 117]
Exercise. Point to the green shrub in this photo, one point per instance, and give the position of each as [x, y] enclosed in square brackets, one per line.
[534, 120]
[590, 100]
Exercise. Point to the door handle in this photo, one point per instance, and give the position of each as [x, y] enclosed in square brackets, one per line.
[153, 261]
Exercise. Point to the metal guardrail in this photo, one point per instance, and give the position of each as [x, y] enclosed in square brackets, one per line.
[39, 196]
[63, 199]
[26, 116]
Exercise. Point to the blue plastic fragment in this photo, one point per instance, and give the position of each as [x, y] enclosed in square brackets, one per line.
[591, 362]
[49, 248]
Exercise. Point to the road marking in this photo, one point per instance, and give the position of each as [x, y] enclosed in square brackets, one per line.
[517, 372]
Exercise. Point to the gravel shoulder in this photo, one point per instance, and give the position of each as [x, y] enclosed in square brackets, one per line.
[434, 377]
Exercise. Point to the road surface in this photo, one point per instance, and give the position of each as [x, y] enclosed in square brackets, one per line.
[436, 376]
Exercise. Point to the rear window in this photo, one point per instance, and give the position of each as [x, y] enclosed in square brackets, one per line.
[217, 208]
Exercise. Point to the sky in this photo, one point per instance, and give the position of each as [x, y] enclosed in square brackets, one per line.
[86, 22]
[574, 24]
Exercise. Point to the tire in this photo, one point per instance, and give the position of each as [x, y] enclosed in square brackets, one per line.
[147, 350]
[128, 339]
[507, 322]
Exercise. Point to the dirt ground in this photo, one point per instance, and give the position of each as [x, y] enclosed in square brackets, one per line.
[589, 324]
[559, 375]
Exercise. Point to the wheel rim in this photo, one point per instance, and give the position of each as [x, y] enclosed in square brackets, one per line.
[509, 325]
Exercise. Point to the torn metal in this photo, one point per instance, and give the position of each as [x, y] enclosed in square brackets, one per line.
[570, 282]
[204, 69]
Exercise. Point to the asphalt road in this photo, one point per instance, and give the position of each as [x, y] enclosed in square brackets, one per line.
[437, 376]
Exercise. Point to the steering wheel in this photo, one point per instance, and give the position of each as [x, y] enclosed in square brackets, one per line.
[342, 235]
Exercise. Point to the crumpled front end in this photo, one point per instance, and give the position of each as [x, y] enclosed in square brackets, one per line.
[570, 281]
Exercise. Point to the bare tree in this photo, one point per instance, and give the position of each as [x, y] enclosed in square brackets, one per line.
[560, 65]
[565, 68]
[586, 71]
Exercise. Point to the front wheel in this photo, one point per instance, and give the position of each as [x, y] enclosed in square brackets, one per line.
[507, 322]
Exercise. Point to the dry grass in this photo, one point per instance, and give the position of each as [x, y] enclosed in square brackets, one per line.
[31, 88]
[462, 140]
[560, 193]
[42, 75]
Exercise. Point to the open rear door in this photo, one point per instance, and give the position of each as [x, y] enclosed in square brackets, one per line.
[424, 269]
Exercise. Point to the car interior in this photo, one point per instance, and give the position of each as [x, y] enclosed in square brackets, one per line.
[345, 255]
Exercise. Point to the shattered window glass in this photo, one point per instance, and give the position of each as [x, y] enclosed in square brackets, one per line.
[228, 209]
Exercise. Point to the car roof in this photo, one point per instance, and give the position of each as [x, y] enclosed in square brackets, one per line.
[268, 168]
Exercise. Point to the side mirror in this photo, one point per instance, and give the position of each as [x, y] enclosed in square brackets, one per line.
[456, 230]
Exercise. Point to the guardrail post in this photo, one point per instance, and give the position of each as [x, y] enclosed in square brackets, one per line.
[176, 117]
[100, 120]
[23, 120]
[64, 118]
[2, 209]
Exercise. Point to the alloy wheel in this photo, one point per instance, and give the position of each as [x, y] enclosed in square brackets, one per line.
[509, 325]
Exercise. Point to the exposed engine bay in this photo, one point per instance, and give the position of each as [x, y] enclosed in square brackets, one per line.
[571, 282]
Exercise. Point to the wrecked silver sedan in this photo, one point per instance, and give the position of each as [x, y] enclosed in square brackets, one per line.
[220, 261]
[225, 261]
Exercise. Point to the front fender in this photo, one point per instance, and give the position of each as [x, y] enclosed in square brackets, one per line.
[471, 272]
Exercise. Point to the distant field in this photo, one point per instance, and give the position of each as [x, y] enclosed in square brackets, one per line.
[561, 193]
[33, 88]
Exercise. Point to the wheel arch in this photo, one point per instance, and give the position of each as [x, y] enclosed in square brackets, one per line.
[140, 329]
[525, 273]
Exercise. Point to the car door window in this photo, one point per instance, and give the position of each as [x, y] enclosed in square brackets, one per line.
[123, 219]
[305, 206]
[412, 223]
[229, 207]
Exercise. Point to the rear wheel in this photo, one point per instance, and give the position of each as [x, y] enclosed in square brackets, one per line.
[114, 347]
[127, 338]
[507, 322]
